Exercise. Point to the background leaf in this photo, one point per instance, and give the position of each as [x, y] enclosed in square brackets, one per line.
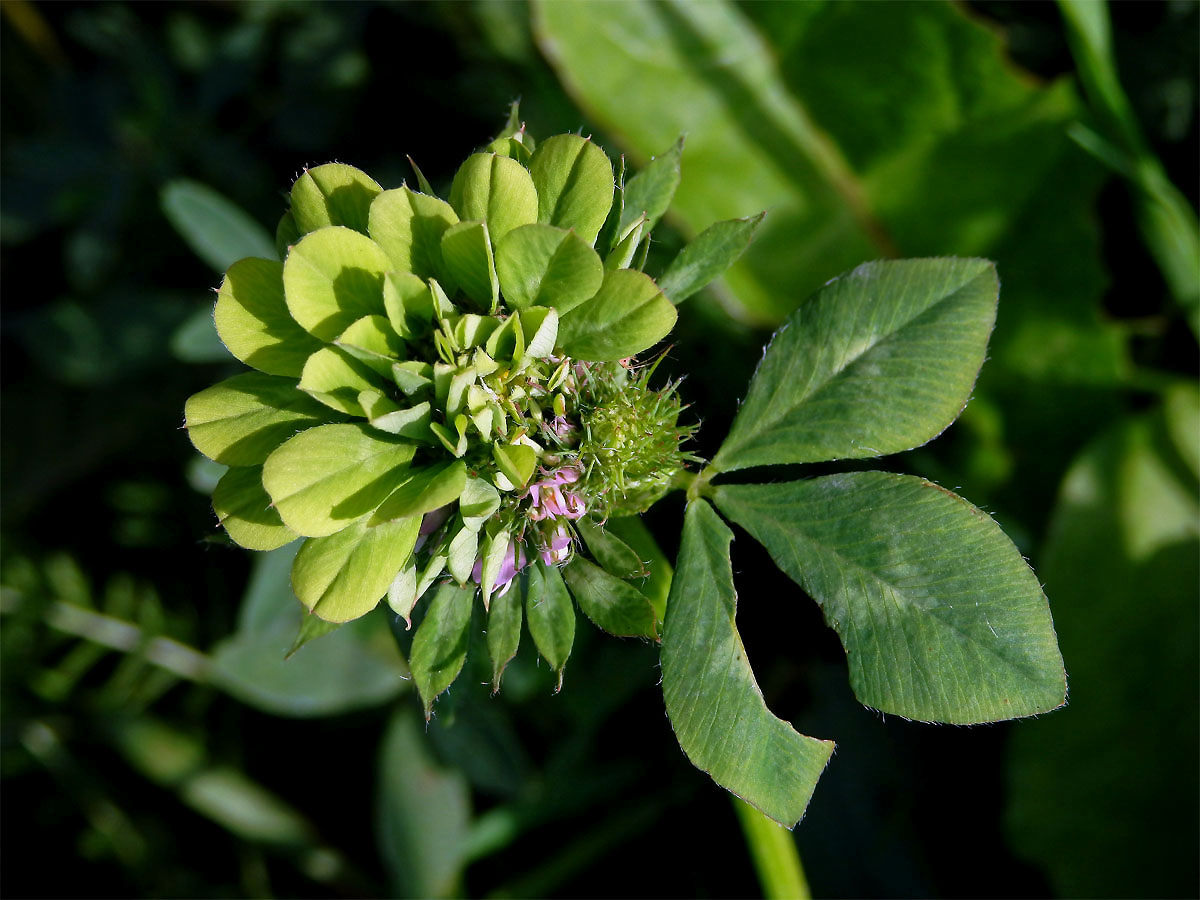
[357, 666]
[929, 143]
[217, 230]
[713, 701]
[741, 120]
[1113, 782]
[423, 810]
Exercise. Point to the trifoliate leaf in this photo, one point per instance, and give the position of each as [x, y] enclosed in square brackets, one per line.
[412, 423]
[880, 360]
[402, 592]
[550, 615]
[511, 147]
[287, 233]
[471, 330]
[657, 587]
[628, 315]
[413, 376]
[376, 404]
[467, 252]
[507, 343]
[433, 569]
[409, 227]
[540, 265]
[516, 461]
[424, 490]
[941, 617]
[372, 341]
[439, 647]
[422, 181]
[539, 325]
[239, 421]
[707, 257]
[495, 549]
[712, 698]
[503, 631]
[496, 190]
[456, 390]
[614, 555]
[244, 509]
[651, 190]
[460, 556]
[409, 304]
[344, 576]
[574, 181]
[333, 194]
[453, 439]
[613, 605]
[332, 278]
[311, 628]
[622, 254]
[253, 319]
[611, 229]
[336, 379]
[477, 502]
[324, 478]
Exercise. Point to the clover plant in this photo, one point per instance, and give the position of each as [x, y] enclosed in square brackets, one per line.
[447, 406]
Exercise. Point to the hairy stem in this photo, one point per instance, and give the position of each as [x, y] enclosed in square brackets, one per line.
[773, 850]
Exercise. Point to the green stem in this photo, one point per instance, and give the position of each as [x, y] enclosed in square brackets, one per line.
[695, 483]
[117, 634]
[1164, 215]
[773, 850]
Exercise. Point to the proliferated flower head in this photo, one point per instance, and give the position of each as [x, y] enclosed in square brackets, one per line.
[444, 395]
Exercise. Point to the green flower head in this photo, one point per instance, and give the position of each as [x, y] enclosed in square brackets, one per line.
[444, 395]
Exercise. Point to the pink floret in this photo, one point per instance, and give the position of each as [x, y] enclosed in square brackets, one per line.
[550, 501]
[560, 547]
[514, 561]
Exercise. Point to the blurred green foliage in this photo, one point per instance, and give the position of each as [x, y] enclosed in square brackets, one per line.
[153, 736]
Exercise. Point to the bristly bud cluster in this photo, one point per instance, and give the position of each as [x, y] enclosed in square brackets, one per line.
[444, 395]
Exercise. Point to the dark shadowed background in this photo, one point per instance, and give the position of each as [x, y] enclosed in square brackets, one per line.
[148, 749]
